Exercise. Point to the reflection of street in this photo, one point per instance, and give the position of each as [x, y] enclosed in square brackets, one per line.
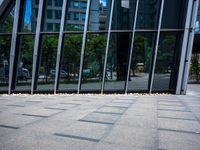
[139, 82]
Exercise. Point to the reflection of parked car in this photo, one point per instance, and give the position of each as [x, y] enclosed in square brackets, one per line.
[23, 74]
[88, 73]
[63, 74]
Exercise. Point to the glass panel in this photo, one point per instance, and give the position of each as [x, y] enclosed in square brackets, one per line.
[174, 13]
[52, 16]
[116, 69]
[93, 62]
[46, 76]
[141, 61]
[124, 13]
[70, 62]
[148, 14]
[166, 65]
[6, 22]
[58, 3]
[29, 18]
[5, 42]
[99, 15]
[34, 13]
[75, 18]
[25, 62]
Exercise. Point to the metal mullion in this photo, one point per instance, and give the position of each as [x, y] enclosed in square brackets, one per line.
[83, 45]
[36, 45]
[156, 47]
[189, 47]
[13, 44]
[184, 48]
[132, 44]
[60, 43]
[107, 46]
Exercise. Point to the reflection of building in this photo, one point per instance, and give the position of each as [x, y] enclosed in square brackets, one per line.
[75, 17]
[103, 17]
[148, 13]
[196, 46]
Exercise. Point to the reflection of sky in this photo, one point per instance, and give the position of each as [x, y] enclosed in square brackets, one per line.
[103, 2]
[28, 12]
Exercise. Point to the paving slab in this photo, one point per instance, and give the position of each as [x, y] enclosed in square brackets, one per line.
[85, 131]
[13, 121]
[179, 125]
[180, 141]
[110, 109]
[177, 114]
[101, 118]
[62, 106]
[134, 137]
[42, 112]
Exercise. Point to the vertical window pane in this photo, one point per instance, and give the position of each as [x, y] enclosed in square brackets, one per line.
[93, 62]
[166, 63]
[116, 69]
[174, 13]
[49, 14]
[6, 22]
[58, 3]
[124, 13]
[52, 16]
[148, 14]
[99, 15]
[141, 61]
[74, 19]
[34, 11]
[5, 42]
[29, 17]
[46, 76]
[25, 62]
[70, 63]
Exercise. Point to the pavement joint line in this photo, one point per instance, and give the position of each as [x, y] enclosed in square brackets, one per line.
[70, 103]
[55, 108]
[4, 99]
[116, 106]
[171, 105]
[169, 101]
[15, 105]
[41, 116]
[179, 131]
[176, 118]
[34, 101]
[77, 137]
[103, 112]
[186, 105]
[9, 127]
[123, 102]
[174, 110]
[82, 100]
[99, 122]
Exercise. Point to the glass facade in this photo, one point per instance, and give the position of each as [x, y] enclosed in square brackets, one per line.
[93, 46]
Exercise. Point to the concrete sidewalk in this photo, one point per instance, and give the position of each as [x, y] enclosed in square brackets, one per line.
[100, 122]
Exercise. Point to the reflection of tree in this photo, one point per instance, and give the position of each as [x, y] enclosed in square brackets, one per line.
[141, 53]
[4, 55]
[195, 67]
[27, 51]
[6, 22]
[71, 53]
[49, 49]
[94, 56]
[165, 54]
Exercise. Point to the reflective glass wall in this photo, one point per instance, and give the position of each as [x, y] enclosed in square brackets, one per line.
[99, 46]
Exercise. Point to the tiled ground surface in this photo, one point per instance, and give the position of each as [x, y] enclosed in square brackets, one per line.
[100, 122]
